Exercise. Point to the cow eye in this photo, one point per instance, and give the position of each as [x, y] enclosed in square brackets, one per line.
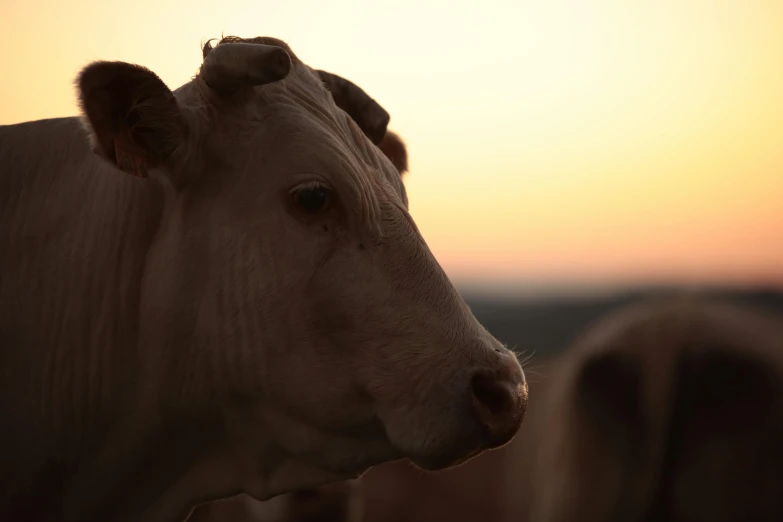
[312, 198]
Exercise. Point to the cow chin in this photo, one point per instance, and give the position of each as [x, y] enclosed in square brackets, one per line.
[363, 454]
[445, 447]
[361, 457]
[440, 462]
[348, 452]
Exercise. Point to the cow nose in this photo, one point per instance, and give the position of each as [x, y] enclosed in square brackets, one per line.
[500, 400]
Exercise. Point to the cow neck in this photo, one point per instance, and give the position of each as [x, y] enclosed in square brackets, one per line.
[152, 470]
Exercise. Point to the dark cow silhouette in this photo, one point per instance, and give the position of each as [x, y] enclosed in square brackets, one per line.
[668, 410]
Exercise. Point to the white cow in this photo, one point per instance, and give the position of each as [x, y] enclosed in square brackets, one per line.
[221, 291]
[336, 501]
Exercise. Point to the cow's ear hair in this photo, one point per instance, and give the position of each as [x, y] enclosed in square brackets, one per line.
[394, 148]
[132, 115]
[365, 111]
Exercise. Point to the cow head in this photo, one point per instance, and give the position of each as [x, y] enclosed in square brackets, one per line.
[287, 290]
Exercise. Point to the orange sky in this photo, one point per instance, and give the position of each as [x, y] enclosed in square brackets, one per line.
[549, 141]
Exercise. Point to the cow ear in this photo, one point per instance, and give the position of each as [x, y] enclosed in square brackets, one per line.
[133, 117]
[365, 111]
[394, 148]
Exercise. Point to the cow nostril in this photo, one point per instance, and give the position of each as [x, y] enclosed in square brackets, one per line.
[491, 396]
[499, 406]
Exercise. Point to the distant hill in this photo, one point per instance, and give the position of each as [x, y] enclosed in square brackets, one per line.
[545, 326]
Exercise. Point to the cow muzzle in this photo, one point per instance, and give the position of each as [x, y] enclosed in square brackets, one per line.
[491, 413]
[500, 399]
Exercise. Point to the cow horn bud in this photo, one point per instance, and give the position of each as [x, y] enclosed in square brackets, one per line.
[231, 66]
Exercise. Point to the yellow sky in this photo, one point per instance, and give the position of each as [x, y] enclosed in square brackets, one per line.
[561, 140]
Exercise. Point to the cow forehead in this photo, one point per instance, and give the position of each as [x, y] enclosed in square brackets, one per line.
[303, 91]
[325, 133]
[309, 129]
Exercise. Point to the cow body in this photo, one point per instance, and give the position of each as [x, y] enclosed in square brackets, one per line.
[218, 291]
[74, 238]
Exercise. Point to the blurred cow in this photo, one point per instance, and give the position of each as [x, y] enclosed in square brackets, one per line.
[669, 411]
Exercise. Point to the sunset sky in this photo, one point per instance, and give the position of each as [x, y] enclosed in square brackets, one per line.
[550, 142]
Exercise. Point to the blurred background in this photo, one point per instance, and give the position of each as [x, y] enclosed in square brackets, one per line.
[567, 158]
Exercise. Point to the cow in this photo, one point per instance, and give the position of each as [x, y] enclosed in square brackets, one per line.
[338, 501]
[668, 409]
[219, 290]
